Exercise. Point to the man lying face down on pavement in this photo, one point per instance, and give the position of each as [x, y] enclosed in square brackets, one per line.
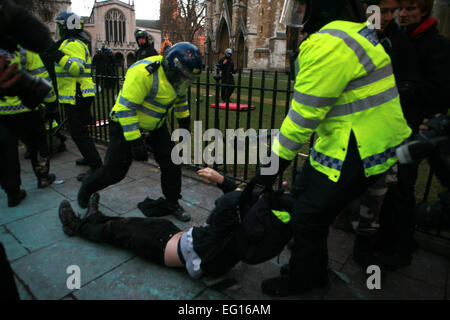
[242, 227]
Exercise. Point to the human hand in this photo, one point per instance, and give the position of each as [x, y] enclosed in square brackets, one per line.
[423, 126]
[210, 175]
[6, 72]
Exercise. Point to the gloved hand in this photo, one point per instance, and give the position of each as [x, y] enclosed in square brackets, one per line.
[185, 123]
[138, 150]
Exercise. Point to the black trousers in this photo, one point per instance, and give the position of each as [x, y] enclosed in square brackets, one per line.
[146, 237]
[28, 127]
[78, 118]
[118, 160]
[319, 201]
[227, 87]
[8, 288]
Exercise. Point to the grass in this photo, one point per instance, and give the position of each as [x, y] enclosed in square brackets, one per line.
[270, 96]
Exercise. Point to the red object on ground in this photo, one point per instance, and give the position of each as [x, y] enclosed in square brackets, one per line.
[232, 106]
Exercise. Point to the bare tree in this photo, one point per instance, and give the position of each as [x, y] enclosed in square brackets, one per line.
[45, 9]
[181, 20]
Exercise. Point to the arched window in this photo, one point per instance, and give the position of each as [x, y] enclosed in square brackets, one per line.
[115, 26]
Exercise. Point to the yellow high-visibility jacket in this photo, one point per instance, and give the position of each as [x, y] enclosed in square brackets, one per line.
[146, 99]
[344, 83]
[32, 63]
[73, 68]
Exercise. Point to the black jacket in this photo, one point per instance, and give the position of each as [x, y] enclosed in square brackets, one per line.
[145, 51]
[226, 69]
[405, 64]
[433, 51]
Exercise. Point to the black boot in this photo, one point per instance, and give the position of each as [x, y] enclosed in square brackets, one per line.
[364, 251]
[16, 198]
[163, 207]
[83, 198]
[68, 218]
[283, 286]
[47, 180]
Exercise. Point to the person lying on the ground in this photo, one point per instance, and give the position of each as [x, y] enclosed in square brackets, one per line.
[227, 237]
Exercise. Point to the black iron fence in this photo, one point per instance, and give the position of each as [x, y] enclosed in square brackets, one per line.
[260, 101]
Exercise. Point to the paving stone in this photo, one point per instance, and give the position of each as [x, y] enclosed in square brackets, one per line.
[36, 200]
[44, 271]
[124, 198]
[209, 294]
[428, 267]
[393, 286]
[340, 245]
[140, 170]
[13, 248]
[70, 187]
[65, 171]
[23, 293]
[65, 157]
[141, 279]
[202, 195]
[44, 228]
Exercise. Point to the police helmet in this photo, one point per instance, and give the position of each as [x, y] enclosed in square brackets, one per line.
[141, 34]
[228, 52]
[69, 24]
[182, 64]
[311, 15]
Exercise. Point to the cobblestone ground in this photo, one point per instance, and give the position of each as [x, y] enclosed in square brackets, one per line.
[40, 252]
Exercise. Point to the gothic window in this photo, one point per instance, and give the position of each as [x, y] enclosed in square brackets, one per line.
[115, 26]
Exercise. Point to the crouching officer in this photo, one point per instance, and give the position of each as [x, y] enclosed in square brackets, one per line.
[19, 122]
[75, 86]
[152, 88]
[345, 92]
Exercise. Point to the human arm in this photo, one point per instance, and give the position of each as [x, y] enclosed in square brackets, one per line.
[210, 175]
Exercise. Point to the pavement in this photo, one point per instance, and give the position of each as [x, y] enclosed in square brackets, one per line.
[40, 253]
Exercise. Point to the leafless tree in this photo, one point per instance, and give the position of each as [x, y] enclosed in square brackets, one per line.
[181, 20]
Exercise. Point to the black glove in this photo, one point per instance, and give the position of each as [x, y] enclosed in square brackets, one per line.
[185, 123]
[138, 150]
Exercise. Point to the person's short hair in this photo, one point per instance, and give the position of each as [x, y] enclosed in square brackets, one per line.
[426, 6]
[374, 2]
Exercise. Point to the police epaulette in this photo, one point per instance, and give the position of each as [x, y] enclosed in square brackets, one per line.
[151, 68]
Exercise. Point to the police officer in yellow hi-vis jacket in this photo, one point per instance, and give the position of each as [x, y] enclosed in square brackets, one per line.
[17, 121]
[152, 88]
[346, 93]
[76, 90]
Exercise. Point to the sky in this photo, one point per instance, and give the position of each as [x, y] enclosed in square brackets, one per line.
[145, 9]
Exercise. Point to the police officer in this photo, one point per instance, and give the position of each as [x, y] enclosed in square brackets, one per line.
[345, 92]
[75, 86]
[152, 88]
[226, 66]
[19, 122]
[146, 48]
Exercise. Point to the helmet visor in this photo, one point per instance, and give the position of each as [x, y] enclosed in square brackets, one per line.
[294, 13]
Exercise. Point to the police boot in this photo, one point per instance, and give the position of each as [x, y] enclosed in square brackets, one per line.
[46, 180]
[15, 198]
[83, 198]
[163, 207]
[68, 218]
[364, 251]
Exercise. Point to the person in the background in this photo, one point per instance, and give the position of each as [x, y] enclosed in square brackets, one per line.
[146, 47]
[226, 67]
[76, 90]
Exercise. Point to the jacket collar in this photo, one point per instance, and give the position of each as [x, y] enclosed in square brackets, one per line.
[424, 26]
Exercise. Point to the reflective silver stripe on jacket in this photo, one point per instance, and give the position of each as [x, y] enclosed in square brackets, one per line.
[372, 77]
[151, 112]
[363, 58]
[181, 108]
[326, 161]
[288, 143]
[125, 113]
[379, 158]
[313, 101]
[37, 71]
[363, 104]
[130, 127]
[299, 120]
[127, 103]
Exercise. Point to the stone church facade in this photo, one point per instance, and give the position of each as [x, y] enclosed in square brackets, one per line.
[252, 29]
[112, 23]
